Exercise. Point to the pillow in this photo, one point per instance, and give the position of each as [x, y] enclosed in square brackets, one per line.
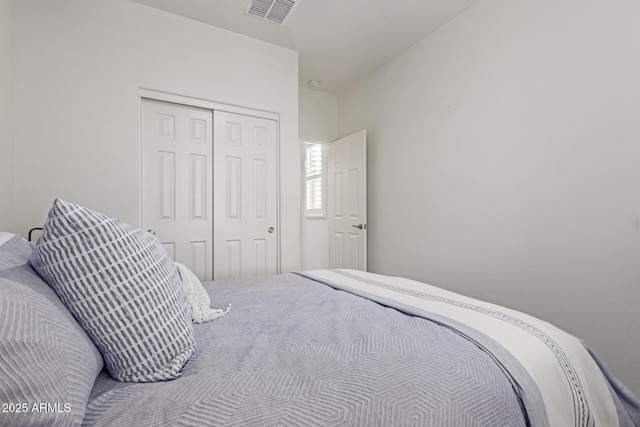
[199, 301]
[4, 237]
[14, 251]
[123, 289]
[48, 364]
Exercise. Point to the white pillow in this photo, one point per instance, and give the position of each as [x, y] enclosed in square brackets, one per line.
[4, 236]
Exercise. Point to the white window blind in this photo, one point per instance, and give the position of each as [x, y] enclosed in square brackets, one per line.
[315, 180]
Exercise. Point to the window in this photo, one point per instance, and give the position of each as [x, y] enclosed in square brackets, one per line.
[314, 180]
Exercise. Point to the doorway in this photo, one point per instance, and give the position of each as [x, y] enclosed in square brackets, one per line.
[334, 203]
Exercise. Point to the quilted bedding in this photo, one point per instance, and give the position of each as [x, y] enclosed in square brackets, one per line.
[296, 352]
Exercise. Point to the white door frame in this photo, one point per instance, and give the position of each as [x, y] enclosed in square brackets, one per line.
[211, 105]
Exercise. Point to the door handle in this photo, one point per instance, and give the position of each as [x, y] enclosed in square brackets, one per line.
[270, 230]
[151, 231]
[360, 226]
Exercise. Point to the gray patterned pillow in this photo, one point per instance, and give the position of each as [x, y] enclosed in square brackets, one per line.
[48, 364]
[123, 289]
[15, 251]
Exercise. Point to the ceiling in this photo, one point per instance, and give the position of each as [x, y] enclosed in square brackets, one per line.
[338, 41]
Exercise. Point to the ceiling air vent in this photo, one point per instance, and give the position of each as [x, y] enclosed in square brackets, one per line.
[276, 11]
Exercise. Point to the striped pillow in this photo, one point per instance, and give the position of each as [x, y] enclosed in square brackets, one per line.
[123, 289]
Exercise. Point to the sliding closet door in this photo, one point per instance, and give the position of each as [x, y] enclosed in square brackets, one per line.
[245, 188]
[177, 172]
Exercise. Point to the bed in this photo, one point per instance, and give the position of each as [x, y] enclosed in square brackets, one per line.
[321, 348]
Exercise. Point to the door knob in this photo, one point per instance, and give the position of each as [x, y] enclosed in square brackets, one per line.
[360, 226]
[151, 231]
[270, 230]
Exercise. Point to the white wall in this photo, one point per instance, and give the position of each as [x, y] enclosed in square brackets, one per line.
[318, 122]
[318, 119]
[79, 65]
[7, 11]
[504, 164]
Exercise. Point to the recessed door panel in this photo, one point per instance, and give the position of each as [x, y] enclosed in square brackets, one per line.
[260, 258]
[353, 249]
[233, 188]
[234, 255]
[259, 189]
[198, 186]
[167, 183]
[199, 131]
[338, 249]
[199, 258]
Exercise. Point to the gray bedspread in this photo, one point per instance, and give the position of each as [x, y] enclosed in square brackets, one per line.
[294, 352]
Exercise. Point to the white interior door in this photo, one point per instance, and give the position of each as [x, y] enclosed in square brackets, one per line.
[347, 207]
[246, 199]
[176, 181]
